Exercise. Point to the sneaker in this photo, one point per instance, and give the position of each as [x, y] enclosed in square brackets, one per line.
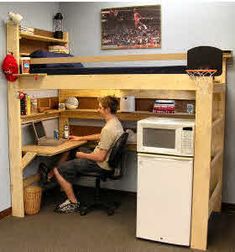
[63, 204]
[67, 207]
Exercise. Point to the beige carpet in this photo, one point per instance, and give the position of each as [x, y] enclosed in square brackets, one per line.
[48, 231]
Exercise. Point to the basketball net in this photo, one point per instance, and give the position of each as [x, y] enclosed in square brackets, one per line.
[201, 75]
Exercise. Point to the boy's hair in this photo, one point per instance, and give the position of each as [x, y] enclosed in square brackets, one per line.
[109, 102]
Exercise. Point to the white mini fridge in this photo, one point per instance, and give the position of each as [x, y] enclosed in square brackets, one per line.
[164, 198]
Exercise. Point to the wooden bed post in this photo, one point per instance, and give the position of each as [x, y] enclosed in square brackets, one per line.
[202, 159]
[14, 127]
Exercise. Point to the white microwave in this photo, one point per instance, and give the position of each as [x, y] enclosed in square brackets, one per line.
[170, 136]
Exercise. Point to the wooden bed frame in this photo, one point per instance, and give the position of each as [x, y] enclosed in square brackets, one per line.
[209, 98]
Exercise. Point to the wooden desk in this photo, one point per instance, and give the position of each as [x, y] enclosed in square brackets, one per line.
[31, 151]
[52, 150]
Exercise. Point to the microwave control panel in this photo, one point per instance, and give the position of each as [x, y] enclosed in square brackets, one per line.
[187, 140]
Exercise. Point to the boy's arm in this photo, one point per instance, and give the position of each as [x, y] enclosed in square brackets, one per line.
[93, 137]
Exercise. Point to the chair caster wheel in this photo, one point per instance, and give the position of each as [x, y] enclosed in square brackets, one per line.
[82, 213]
[110, 211]
[83, 210]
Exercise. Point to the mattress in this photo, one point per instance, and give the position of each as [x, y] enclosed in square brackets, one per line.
[108, 70]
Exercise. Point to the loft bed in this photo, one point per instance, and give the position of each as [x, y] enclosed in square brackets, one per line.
[202, 57]
[78, 68]
[209, 96]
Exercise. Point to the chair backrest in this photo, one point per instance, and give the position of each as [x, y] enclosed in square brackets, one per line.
[115, 158]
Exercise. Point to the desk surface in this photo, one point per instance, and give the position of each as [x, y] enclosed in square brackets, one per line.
[52, 150]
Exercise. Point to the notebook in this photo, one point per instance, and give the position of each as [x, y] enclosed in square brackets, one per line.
[41, 137]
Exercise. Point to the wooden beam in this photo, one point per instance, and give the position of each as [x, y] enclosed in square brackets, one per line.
[111, 58]
[214, 161]
[14, 126]
[221, 113]
[50, 114]
[218, 122]
[214, 198]
[219, 88]
[163, 94]
[31, 179]
[124, 81]
[123, 116]
[202, 159]
[28, 158]
[116, 58]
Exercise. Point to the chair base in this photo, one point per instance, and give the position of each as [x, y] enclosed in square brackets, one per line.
[108, 207]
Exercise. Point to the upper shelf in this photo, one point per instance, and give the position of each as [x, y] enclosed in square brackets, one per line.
[42, 38]
[49, 114]
[125, 116]
[93, 114]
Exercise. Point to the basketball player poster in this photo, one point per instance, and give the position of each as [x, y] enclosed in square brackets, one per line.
[131, 27]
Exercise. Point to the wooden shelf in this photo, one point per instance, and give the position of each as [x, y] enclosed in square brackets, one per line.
[42, 38]
[49, 114]
[31, 75]
[132, 116]
[93, 114]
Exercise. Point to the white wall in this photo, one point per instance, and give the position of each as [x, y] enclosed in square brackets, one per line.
[36, 15]
[185, 24]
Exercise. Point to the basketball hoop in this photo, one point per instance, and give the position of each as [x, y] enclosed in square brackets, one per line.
[199, 75]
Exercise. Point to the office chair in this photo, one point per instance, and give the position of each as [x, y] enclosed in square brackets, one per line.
[115, 161]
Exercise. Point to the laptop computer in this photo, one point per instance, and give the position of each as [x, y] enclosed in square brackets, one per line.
[41, 137]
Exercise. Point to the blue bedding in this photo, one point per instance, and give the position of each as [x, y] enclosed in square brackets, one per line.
[108, 70]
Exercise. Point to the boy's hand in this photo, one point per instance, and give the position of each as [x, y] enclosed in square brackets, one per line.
[75, 138]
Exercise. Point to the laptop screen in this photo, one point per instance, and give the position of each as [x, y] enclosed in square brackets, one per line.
[39, 129]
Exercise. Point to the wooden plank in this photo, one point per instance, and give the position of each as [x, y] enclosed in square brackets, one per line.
[220, 136]
[215, 197]
[218, 122]
[163, 94]
[115, 81]
[41, 38]
[52, 150]
[36, 75]
[219, 88]
[28, 158]
[49, 114]
[202, 159]
[31, 179]
[214, 161]
[111, 58]
[125, 116]
[217, 161]
[14, 127]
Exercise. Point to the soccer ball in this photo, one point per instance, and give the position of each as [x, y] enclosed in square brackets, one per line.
[71, 103]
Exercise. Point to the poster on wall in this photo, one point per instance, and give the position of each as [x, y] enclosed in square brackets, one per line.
[131, 27]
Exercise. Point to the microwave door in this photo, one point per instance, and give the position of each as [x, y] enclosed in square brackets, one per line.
[159, 140]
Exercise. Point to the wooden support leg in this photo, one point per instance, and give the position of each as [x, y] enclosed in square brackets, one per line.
[221, 106]
[14, 125]
[201, 182]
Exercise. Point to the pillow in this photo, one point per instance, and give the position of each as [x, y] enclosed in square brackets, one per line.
[46, 54]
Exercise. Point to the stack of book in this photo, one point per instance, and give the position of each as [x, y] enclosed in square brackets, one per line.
[164, 106]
